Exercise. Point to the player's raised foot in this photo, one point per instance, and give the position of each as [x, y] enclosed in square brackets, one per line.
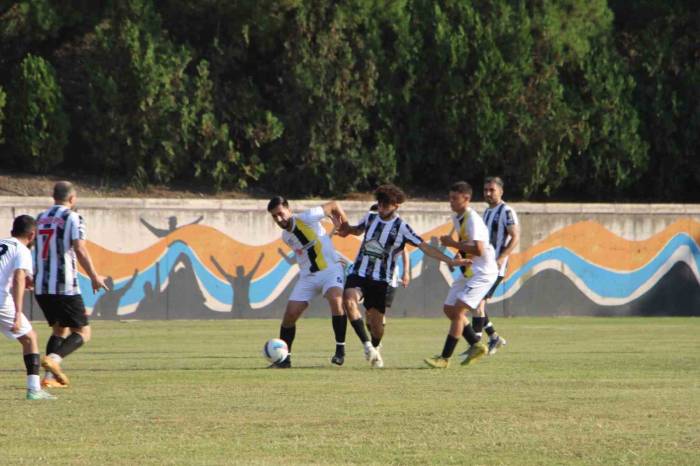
[338, 359]
[55, 368]
[495, 343]
[378, 362]
[437, 362]
[286, 363]
[474, 352]
[52, 383]
[39, 395]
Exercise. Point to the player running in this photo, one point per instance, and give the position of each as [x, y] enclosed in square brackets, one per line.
[467, 291]
[61, 239]
[385, 237]
[15, 273]
[321, 271]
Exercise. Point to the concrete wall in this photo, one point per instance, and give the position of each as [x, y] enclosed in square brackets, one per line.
[200, 258]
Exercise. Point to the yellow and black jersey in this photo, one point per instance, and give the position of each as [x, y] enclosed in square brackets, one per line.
[311, 244]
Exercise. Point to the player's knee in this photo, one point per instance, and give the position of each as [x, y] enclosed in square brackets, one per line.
[85, 333]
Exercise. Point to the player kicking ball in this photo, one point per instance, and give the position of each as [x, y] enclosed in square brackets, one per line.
[470, 289]
[16, 271]
[321, 271]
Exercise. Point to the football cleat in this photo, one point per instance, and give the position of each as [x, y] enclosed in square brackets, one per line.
[437, 362]
[53, 383]
[39, 395]
[371, 354]
[338, 359]
[378, 362]
[286, 363]
[55, 368]
[474, 352]
[495, 343]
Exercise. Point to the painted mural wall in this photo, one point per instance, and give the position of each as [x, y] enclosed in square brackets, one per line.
[202, 259]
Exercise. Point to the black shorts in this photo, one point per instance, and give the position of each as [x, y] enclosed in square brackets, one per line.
[493, 288]
[373, 291]
[67, 311]
[390, 293]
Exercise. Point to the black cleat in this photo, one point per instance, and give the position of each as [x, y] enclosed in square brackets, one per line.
[338, 359]
[286, 363]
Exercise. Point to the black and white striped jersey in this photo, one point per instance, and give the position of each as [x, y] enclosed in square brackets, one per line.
[55, 261]
[497, 220]
[382, 245]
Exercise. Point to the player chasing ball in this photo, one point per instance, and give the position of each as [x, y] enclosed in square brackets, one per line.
[385, 237]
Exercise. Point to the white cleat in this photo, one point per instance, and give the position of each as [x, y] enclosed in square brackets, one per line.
[496, 343]
[371, 354]
[377, 363]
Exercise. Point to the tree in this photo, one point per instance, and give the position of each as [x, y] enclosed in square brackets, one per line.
[38, 129]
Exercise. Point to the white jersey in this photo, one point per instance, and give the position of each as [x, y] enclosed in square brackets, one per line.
[470, 227]
[311, 244]
[54, 258]
[13, 256]
[497, 220]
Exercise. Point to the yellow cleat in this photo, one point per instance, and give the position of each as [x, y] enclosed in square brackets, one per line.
[55, 368]
[53, 383]
[437, 362]
[474, 352]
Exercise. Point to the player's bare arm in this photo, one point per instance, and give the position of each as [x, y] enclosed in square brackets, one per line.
[406, 278]
[18, 285]
[428, 250]
[514, 233]
[333, 210]
[85, 261]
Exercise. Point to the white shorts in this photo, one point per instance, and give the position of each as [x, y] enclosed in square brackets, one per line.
[7, 319]
[471, 290]
[310, 285]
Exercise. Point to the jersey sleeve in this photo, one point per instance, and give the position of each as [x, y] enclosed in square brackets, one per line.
[477, 229]
[23, 260]
[313, 215]
[511, 217]
[77, 227]
[410, 236]
[364, 221]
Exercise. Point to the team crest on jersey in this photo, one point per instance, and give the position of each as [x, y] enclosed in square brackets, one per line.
[373, 248]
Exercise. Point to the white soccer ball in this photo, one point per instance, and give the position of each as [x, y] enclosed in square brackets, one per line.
[275, 350]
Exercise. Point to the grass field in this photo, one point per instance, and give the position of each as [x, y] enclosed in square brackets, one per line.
[564, 391]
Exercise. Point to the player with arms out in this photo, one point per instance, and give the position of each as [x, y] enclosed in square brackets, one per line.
[385, 237]
[321, 271]
[61, 239]
[470, 289]
[15, 274]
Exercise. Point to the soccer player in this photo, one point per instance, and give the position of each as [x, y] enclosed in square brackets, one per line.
[504, 235]
[385, 237]
[15, 274]
[61, 238]
[470, 289]
[320, 269]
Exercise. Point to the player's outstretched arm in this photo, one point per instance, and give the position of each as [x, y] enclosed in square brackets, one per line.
[428, 250]
[85, 261]
[333, 209]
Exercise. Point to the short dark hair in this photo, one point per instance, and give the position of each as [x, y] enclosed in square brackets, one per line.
[461, 187]
[23, 225]
[389, 194]
[374, 207]
[62, 190]
[494, 179]
[275, 201]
